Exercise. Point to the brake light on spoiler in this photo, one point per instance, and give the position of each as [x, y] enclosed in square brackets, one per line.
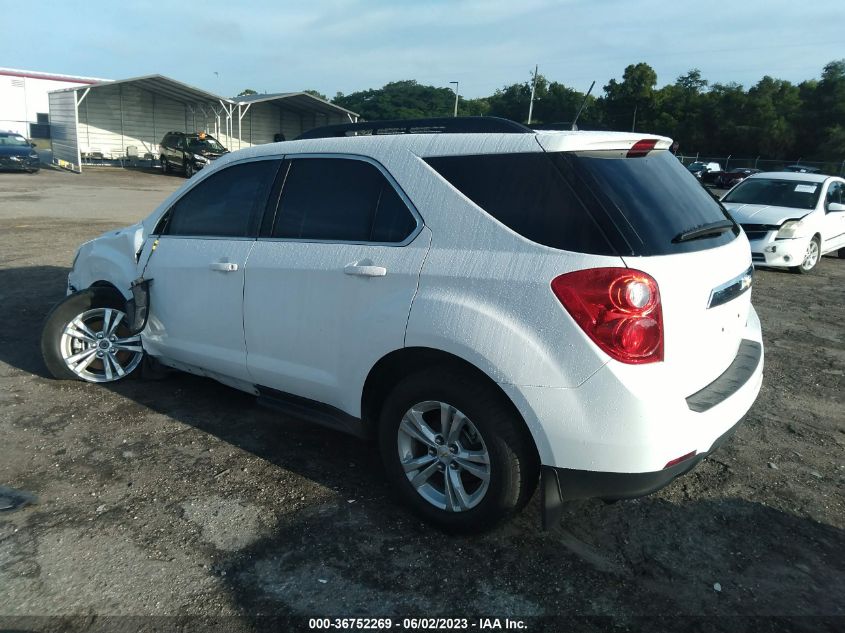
[641, 147]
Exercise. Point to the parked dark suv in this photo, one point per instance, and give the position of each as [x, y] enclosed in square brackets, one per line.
[188, 153]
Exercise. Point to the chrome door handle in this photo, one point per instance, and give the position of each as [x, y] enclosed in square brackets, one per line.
[225, 267]
[365, 270]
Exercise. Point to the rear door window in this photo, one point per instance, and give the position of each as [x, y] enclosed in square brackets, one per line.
[229, 203]
[340, 199]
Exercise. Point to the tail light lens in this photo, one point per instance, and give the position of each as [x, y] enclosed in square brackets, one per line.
[618, 308]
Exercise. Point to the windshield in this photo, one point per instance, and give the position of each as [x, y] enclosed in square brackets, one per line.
[13, 139]
[796, 194]
[208, 144]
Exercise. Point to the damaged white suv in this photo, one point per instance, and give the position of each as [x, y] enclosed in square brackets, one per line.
[489, 303]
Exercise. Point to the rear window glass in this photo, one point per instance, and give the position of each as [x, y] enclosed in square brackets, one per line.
[526, 193]
[650, 200]
[797, 194]
[592, 204]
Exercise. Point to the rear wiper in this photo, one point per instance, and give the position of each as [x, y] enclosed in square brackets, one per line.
[707, 230]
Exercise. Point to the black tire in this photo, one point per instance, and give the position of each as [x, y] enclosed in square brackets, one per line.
[841, 253]
[62, 314]
[189, 169]
[801, 269]
[513, 460]
[165, 166]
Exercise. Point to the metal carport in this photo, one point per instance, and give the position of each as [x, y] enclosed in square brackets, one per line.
[261, 118]
[115, 120]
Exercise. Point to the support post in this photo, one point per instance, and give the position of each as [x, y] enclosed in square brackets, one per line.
[122, 134]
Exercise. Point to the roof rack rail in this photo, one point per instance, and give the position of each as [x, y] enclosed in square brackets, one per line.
[450, 125]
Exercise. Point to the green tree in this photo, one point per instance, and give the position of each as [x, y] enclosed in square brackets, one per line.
[247, 92]
[400, 100]
[631, 103]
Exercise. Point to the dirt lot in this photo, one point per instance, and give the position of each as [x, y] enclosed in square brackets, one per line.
[183, 498]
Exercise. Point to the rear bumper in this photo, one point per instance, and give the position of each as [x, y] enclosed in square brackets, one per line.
[637, 421]
[559, 485]
[587, 484]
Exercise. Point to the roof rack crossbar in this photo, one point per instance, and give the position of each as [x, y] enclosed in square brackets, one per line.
[450, 125]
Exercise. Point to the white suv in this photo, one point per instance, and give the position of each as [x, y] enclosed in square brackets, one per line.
[489, 306]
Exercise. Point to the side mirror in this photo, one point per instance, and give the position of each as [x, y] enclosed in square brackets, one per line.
[835, 207]
[33, 145]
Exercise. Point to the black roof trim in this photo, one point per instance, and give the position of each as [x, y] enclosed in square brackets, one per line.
[450, 125]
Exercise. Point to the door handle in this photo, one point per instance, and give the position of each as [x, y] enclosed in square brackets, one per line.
[365, 270]
[224, 267]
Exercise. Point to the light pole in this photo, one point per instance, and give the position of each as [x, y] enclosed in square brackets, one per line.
[456, 96]
[533, 88]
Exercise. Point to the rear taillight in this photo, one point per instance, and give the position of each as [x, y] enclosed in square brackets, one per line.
[618, 308]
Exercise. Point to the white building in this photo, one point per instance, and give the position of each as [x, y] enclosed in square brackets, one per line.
[24, 101]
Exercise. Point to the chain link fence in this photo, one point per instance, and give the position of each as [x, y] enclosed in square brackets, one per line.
[832, 168]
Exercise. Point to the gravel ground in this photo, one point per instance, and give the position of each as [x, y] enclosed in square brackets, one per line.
[182, 498]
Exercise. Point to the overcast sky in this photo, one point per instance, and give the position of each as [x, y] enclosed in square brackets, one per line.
[334, 45]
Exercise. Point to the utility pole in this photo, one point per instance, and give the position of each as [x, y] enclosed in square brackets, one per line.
[533, 89]
[456, 96]
[634, 122]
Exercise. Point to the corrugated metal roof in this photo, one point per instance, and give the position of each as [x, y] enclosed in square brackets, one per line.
[300, 102]
[158, 84]
[296, 101]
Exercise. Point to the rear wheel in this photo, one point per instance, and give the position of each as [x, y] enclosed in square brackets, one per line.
[841, 253]
[811, 256]
[455, 451]
[86, 337]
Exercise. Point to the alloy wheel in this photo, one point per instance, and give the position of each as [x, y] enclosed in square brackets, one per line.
[811, 257]
[444, 456]
[97, 346]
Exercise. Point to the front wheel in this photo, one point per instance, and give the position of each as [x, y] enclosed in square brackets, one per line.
[165, 166]
[455, 451]
[189, 169]
[86, 337]
[841, 253]
[811, 257]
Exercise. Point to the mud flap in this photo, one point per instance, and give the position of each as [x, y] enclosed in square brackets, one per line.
[138, 307]
[551, 500]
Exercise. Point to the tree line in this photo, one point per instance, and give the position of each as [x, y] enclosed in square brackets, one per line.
[773, 119]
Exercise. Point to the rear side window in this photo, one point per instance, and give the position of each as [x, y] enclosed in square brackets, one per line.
[526, 193]
[798, 194]
[228, 203]
[339, 199]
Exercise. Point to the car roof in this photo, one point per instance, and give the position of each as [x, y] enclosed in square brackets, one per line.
[450, 144]
[789, 175]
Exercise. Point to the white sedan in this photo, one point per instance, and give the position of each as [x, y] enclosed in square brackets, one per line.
[791, 219]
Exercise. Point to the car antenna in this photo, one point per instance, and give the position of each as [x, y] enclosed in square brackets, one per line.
[583, 103]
